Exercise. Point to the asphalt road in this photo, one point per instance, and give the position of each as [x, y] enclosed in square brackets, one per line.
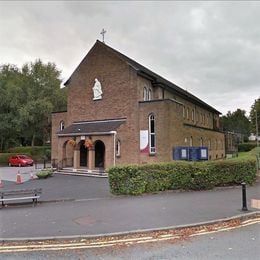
[117, 214]
[241, 243]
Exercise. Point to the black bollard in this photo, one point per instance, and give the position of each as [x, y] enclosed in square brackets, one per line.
[44, 164]
[244, 206]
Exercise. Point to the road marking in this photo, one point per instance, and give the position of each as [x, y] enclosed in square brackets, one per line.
[88, 244]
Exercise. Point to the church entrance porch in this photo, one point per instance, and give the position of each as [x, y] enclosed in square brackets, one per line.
[89, 145]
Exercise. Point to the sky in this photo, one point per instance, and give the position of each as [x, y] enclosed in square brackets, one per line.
[211, 49]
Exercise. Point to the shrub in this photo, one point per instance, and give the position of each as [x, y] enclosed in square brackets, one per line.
[36, 152]
[45, 173]
[4, 158]
[245, 147]
[136, 180]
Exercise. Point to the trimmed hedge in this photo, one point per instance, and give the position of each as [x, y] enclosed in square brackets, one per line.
[134, 180]
[37, 152]
[4, 158]
[246, 147]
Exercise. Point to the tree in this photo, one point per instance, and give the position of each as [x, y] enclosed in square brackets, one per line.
[236, 122]
[27, 98]
[42, 95]
[255, 109]
[10, 97]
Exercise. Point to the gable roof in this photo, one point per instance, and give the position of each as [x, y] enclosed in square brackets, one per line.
[156, 79]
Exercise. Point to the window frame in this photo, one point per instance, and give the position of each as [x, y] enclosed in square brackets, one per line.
[62, 125]
[145, 93]
[152, 135]
[118, 148]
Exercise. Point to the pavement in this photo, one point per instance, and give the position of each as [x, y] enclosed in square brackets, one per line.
[75, 206]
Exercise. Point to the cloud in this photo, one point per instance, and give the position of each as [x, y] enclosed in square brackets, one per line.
[209, 48]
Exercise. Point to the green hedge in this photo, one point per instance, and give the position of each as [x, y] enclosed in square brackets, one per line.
[136, 180]
[37, 152]
[4, 158]
[245, 147]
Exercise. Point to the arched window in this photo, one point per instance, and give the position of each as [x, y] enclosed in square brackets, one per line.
[118, 148]
[149, 94]
[145, 94]
[62, 125]
[191, 141]
[152, 133]
[187, 112]
[209, 144]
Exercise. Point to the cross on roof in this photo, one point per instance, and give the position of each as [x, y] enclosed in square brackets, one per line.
[103, 34]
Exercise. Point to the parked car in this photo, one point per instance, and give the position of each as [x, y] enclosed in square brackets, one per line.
[20, 160]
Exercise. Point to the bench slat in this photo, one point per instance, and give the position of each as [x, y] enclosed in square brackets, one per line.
[16, 195]
[20, 192]
[20, 198]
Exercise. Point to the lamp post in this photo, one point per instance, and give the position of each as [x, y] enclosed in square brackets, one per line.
[256, 124]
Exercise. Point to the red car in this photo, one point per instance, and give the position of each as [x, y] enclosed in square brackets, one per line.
[20, 160]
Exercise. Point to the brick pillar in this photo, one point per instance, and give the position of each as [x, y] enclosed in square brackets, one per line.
[76, 159]
[91, 159]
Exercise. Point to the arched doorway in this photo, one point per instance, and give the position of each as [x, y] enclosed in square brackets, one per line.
[83, 155]
[67, 154]
[99, 154]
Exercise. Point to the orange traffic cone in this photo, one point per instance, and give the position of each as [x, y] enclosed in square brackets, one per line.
[18, 178]
[31, 176]
[1, 184]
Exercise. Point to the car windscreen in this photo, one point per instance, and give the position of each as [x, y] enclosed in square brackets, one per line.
[23, 157]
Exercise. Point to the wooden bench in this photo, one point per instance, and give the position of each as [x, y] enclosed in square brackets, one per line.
[17, 195]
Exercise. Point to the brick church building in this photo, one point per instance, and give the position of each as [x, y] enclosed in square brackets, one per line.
[119, 112]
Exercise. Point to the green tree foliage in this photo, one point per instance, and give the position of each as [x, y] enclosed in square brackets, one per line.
[236, 122]
[27, 98]
[255, 110]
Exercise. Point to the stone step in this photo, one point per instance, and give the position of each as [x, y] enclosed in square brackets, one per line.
[83, 172]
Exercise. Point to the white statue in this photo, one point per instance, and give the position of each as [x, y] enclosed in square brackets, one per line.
[97, 90]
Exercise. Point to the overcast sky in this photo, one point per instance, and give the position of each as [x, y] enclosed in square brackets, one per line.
[211, 49]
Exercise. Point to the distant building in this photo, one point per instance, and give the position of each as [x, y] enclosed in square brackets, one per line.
[120, 112]
[252, 137]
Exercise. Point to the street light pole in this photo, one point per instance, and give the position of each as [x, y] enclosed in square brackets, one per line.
[256, 124]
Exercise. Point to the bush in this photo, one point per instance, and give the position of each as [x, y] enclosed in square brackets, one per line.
[36, 152]
[4, 158]
[246, 147]
[45, 173]
[136, 180]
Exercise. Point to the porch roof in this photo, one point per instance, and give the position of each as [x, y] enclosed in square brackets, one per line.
[92, 127]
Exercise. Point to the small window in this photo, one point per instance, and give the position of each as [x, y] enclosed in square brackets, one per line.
[192, 115]
[149, 97]
[62, 125]
[209, 144]
[118, 148]
[201, 142]
[187, 112]
[152, 133]
[191, 141]
[145, 94]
